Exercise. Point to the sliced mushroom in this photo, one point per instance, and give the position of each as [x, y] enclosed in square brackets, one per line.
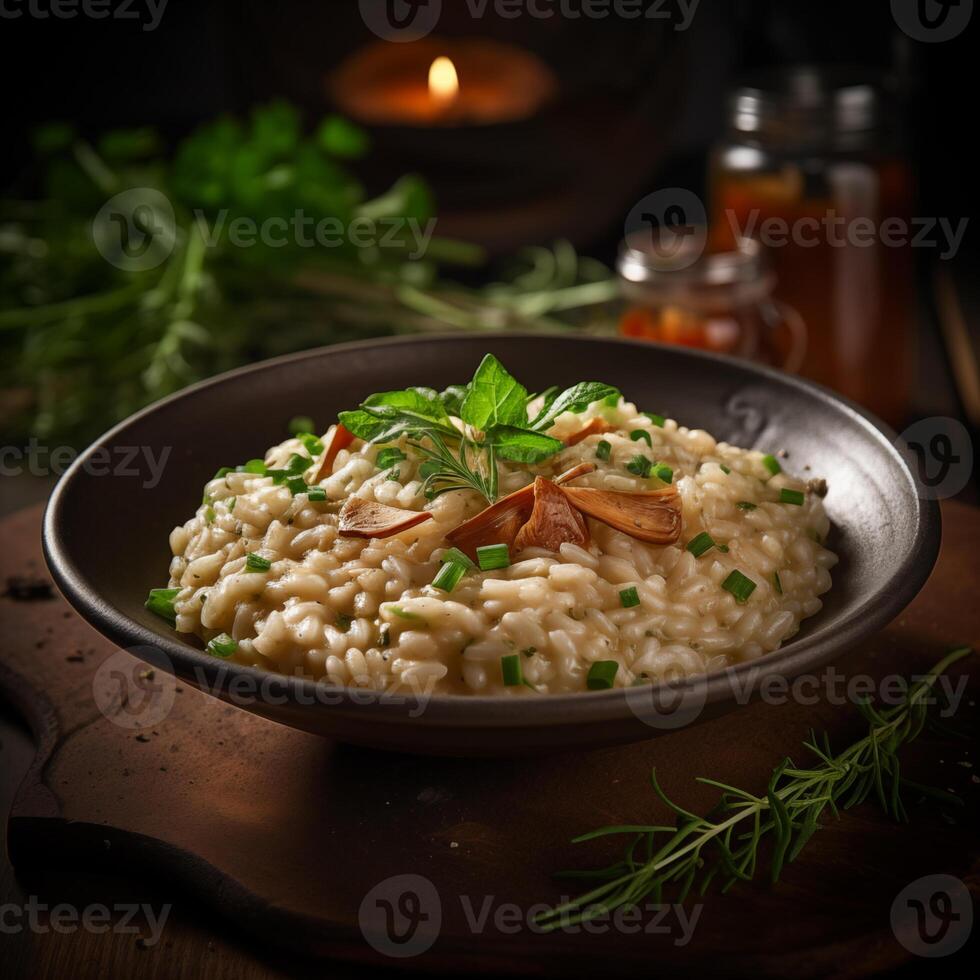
[653, 516]
[553, 520]
[339, 439]
[360, 518]
[500, 522]
[594, 428]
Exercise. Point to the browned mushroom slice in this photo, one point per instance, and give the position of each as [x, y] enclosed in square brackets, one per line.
[594, 428]
[553, 520]
[360, 518]
[653, 516]
[339, 439]
[500, 522]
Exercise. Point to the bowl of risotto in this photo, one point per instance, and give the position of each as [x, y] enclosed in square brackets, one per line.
[492, 544]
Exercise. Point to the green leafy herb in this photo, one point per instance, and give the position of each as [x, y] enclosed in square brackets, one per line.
[494, 397]
[387, 458]
[449, 576]
[640, 466]
[454, 554]
[603, 450]
[663, 472]
[316, 494]
[493, 556]
[256, 563]
[657, 420]
[700, 544]
[222, 646]
[726, 844]
[300, 425]
[601, 675]
[637, 434]
[161, 602]
[629, 597]
[740, 586]
[772, 464]
[575, 399]
[511, 670]
[794, 497]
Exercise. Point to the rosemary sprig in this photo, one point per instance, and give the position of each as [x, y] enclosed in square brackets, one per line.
[726, 843]
[445, 470]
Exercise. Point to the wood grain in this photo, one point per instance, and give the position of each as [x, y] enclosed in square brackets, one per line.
[277, 836]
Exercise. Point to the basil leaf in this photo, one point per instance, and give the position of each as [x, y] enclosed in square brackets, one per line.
[494, 397]
[575, 399]
[452, 399]
[423, 402]
[522, 446]
[370, 427]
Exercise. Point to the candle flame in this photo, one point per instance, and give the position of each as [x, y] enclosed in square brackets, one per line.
[443, 81]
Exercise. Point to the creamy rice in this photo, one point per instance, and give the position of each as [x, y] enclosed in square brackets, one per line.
[363, 613]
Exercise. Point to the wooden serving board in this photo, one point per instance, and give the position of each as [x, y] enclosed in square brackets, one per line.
[283, 834]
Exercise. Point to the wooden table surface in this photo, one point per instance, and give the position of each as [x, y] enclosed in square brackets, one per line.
[476, 826]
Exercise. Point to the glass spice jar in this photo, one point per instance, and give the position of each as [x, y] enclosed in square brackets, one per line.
[676, 291]
[812, 165]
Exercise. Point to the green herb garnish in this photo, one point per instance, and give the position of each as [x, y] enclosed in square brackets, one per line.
[629, 597]
[637, 434]
[794, 497]
[161, 602]
[494, 407]
[772, 464]
[454, 554]
[387, 457]
[727, 844]
[601, 675]
[449, 576]
[493, 556]
[740, 586]
[603, 450]
[700, 544]
[511, 670]
[640, 466]
[657, 420]
[256, 563]
[300, 425]
[222, 646]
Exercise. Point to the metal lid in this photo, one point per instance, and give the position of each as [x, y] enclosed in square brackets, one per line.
[810, 103]
[679, 255]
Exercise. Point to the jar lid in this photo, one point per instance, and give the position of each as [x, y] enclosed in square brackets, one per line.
[810, 102]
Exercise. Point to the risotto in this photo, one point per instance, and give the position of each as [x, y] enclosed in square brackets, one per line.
[487, 541]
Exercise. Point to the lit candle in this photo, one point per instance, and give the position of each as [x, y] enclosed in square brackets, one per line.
[443, 82]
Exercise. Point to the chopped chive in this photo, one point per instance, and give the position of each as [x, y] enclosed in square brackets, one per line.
[209, 515]
[344, 622]
[492, 556]
[657, 420]
[601, 675]
[256, 563]
[746, 505]
[639, 466]
[612, 400]
[663, 472]
[161, 602]
[603, 450]
[701, 543]
[222, 646]
[454, 554]
[637, 434]
[298, 464]
[316, 495]
[311, 442]
[449, 576]
[222, 473]
[387, 458]
[629, 597]
[739, 585]
[777, 583]
[278, 476]
[772, 464]
[300, 425]
[230, 502]
[726, 470]
[510, 668]
[256, 466]
[794, 497]
[297, 485]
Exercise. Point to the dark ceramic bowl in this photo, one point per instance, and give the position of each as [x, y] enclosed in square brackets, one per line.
[105, 536]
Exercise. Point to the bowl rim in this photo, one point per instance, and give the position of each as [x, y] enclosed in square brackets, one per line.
[496, 711]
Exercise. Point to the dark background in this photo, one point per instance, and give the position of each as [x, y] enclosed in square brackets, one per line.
[210, 57]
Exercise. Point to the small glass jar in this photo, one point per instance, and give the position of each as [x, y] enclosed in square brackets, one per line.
[812, 157]
[680, 292]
